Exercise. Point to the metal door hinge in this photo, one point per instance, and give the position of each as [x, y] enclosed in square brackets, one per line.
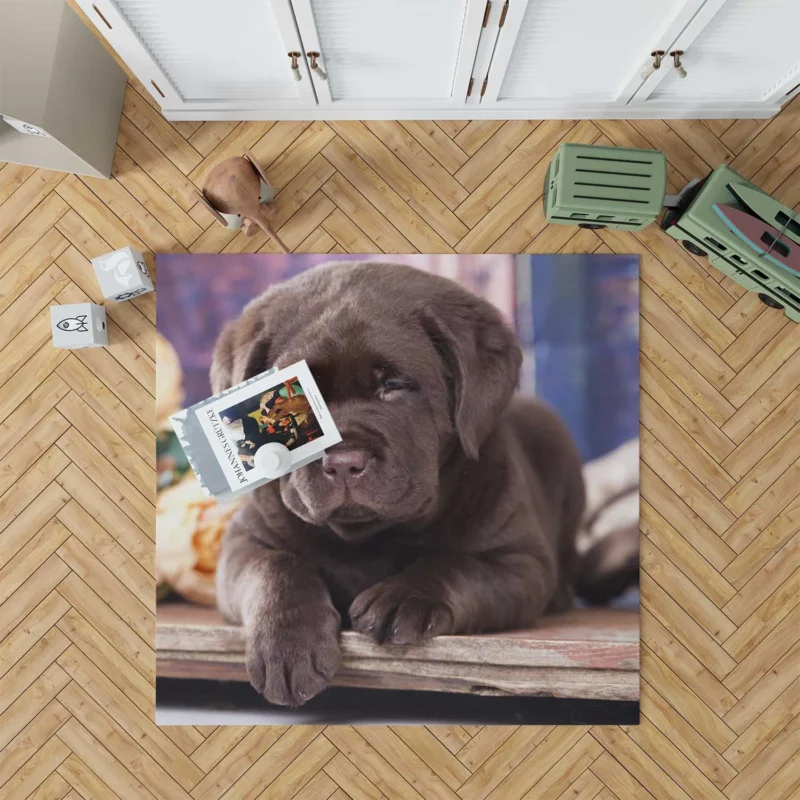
[486, 13]
[503, 15]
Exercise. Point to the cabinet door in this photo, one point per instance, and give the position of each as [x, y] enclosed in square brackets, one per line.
[735, 51]
[578, 54]
[390, 54]
[208, 54]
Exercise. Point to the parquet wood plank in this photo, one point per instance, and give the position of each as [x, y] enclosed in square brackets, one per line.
[300, 771]
[31, 593]
[684, 412]
[84, 782]
[348, 778]
[683, 555]
[152, 197]
[20, 743]
[494, 152]
[12, 176]
[111, 519]
[101, 761]
[37, 769]
[31, 230]
[105, 475]
[503, 762]
[476, 133]
[686, 666]
[426, 168]
[680, 734]
[30, 267]
[400, 197]
[688, 704]
[756, 703]
[101, 617]
[43, 617]
[721, 500]
[139, 111]
[237, 762]
[763, 401]
[153, 161]
[777, 602]
[300, 152]
[437, 143]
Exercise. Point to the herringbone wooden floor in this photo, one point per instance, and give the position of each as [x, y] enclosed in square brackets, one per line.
[720, 473]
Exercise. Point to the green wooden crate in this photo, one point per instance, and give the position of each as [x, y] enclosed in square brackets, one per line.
[605, 187]
[700, 229]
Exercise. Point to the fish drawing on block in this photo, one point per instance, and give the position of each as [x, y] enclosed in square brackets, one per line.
[77, 324]
[767, 208]
[763, 238]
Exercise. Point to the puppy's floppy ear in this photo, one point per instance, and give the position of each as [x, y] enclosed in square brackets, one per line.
[482, 358]
[241, 352]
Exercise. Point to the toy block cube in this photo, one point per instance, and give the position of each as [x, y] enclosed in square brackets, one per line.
[122, 274]
[78, 325]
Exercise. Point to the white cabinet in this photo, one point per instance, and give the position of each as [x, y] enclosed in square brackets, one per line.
[577, 53]
[380, 53]
[734, 51]
[217, 55]
[335, 59]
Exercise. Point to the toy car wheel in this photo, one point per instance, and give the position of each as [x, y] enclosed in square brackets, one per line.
[769, 301]
[592, 226]
[693, 248]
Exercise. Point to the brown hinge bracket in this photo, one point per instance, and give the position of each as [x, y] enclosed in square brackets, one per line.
[503, 15]
[483, 88]
[469, 88]
[486, 13]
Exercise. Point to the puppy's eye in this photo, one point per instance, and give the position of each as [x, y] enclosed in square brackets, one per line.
[396, 385]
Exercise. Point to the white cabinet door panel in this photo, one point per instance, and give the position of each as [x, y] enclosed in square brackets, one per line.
[230, 54]
[748, 52]
[579, 52]
[385, 52]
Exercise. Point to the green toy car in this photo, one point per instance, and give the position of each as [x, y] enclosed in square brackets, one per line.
[701, 230]
[614, 187]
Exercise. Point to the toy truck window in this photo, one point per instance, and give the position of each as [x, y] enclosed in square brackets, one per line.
[790, 295]
[791, 225]
[781, 248]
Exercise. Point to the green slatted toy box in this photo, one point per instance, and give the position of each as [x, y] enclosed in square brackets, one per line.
[605, 187]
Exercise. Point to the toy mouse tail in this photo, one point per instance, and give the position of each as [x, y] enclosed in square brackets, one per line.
[267, 228]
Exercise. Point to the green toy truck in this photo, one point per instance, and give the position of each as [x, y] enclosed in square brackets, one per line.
[610, 187]
[702, 232]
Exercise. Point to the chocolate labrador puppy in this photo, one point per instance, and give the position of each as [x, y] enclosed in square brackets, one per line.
[447, 508]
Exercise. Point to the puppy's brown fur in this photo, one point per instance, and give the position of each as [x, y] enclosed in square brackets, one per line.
[464, 516]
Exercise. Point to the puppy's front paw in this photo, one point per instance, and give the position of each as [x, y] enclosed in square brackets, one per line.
[293, 655]
[393, 612]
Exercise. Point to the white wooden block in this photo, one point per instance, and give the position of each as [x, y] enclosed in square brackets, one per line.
[78, 325]
[122, 274]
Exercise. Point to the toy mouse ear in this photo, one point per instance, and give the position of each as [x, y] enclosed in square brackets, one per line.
[256, 166]
[214, 213]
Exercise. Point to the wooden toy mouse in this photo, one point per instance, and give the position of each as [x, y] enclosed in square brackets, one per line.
[235, 193]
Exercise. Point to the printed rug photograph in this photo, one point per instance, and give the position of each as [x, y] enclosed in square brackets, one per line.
[462, 544]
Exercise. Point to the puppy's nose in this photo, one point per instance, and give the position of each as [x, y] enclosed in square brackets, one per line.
[344, 464]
